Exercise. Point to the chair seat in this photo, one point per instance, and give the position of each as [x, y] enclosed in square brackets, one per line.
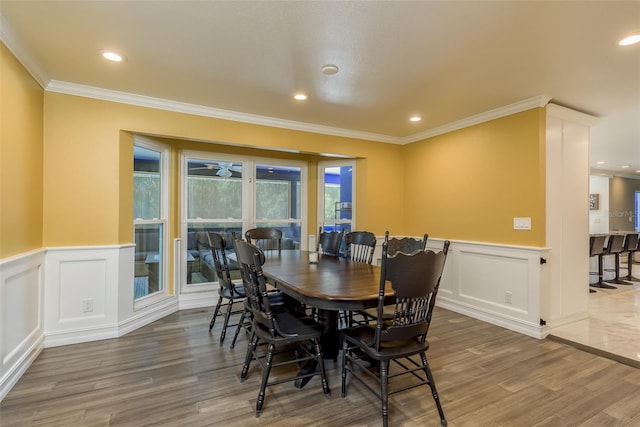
[364, 336]
[293, 327]
[277, 302]
[387, 313]
[239, 292]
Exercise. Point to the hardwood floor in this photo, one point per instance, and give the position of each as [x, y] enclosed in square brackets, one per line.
[174, 373]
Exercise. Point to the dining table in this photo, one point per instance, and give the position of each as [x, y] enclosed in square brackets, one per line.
[331, 284]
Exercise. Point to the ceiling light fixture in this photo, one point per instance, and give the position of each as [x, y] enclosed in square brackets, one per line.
[329, 69]
[600, 162]
[632, 39]
[112, 56]
[415, 118]
[300, 96]
[625, 166]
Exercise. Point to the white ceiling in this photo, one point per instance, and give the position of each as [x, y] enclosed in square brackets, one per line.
[444, 60]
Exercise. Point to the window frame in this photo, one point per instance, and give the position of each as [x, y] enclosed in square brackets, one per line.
[164, 220]
[249, 220]
[322, 165]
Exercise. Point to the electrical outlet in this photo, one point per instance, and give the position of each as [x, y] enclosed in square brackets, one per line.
[508, 297]
[87, 306]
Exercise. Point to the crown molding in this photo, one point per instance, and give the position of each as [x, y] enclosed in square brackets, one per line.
[199, 110]
[570, 114]
[21, 53]
[507, 110]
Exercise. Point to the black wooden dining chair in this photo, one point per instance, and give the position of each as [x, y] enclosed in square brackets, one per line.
[406, 245]
[276, 328]
[228, 291]
[368, 351]
[329, 242]
[266, 238]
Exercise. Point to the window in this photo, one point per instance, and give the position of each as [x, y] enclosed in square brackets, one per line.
[150, 218]
[277, 201]
[336, 193]
[229, 195]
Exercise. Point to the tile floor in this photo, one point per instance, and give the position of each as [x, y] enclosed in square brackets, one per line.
[613, 326]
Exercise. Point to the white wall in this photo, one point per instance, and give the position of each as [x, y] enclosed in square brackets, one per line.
[565, 294]
[599, 219]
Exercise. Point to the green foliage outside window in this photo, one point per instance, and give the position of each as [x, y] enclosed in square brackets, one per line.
[146, 195]
[331, 197]
[213, 197]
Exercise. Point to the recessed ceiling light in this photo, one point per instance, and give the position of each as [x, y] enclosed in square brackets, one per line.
[415, 118]
[300, 96]
[329, 69]
[600, 162]
[625, 166]
[632, 39]
[112, 56]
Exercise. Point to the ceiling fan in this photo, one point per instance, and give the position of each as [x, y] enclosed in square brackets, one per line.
[225, 169]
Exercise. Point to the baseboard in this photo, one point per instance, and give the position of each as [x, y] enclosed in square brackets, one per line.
[516, 325]
[15, 373]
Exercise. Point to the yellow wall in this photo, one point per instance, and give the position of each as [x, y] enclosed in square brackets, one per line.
[21, 114]
[88, 165]
[470, 184]
[75, 188]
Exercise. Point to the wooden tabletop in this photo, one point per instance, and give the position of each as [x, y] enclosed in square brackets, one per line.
[332, 284]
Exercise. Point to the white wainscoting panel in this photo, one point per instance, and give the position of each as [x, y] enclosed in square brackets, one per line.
[21, 315]
[103, 277]
[499, 284]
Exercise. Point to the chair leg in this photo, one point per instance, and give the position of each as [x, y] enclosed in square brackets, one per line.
[384, 391]
[320, 360]
[249, 357]
[345, 347]
[600, 283]
[617, 279]
[629, 275]
[434, 392]
[215, 313]
[241, 324]
[265, 378]
[227, 315]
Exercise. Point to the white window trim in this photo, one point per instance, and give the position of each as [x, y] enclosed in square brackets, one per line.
[156, 297]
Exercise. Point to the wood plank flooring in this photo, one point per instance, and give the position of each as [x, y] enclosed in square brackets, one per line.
[173, 372]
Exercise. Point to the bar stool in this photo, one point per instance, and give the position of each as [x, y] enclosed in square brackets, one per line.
[615, 247]
[596, 248]
[630, 247]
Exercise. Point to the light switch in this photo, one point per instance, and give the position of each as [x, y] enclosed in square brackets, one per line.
[523, 223]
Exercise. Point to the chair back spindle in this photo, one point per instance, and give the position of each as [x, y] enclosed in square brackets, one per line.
[360, 246]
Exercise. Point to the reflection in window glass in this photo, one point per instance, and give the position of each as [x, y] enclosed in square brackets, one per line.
[148, 259]
[200, 266]
[148, 221]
